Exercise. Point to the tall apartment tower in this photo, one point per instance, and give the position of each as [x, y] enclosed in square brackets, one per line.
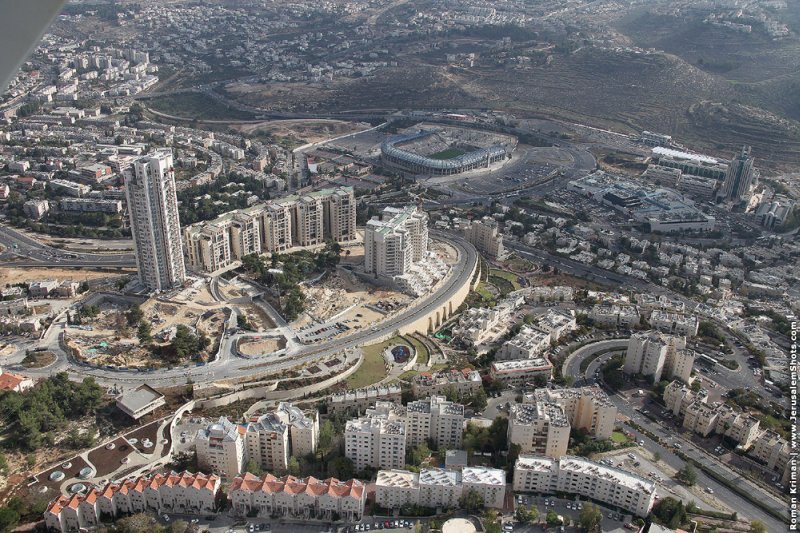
[485, 235]
[739, 178]
[153, 208]
[655, 355]
[394, 243]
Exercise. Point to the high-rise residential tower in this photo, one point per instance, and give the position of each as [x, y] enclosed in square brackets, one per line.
[153, 208]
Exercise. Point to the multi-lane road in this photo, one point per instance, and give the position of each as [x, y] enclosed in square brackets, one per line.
[22, 251]
[229, 366]
[744, 506]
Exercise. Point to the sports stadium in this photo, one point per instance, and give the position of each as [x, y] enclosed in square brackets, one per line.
[446, 151]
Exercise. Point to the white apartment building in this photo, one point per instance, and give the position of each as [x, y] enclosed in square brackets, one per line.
[485, 235]
[678, 396]
[479, 324]
[701, 418]
[276, 227]
[541, 428]
[355, 402]
[36, 209]
[740, 427]
[302, 498]
[587, 408]
[221, 448]
[435, 419]
[180, 493]
[377, 440]
[396, 241]
[285, 432]
[213, 245]
[772, 449]
[308, 220]
[69, 188]
[529, 343]
[615, 315]
[268, 440]
[439, 489]
[557, 323]
[674, 323]
[465, 382]
[153, 210]
[522, 371]
[655, 355]
[582, 477]
[90, 205]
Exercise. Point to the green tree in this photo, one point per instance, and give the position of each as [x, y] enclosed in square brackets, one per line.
[656, 457]
[590, 517]
[144, 333]
[687, 475]
[137, 523]
[479, 400]
[341, 468]
[9, 518]
[471, 500]
[134, 315]
[757, 526]
[178, 526]
[552, 519]
[526, 515]
[253, 467]
[326, 434]
[294, 466]
[670, 512]
[490, 522]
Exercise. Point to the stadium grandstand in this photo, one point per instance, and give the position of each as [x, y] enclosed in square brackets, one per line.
[442, 152]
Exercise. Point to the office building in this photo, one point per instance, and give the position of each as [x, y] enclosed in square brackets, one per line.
[299, 498]
[581, 477]
[654, 355]
[739, 177]
[153, 209]
[540, 428]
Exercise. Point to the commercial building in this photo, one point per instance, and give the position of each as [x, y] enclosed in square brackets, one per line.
[300, 498]
[153, 210]
[140, 401]
[434, 419]
[674, 323]
[541, 428]
[522, 371]
[377, 440]
[739, 177]
[221, 449]
[183, 493]
[587, 408]
[774, 212]
[688, 163]
[439, 489]
[582, 477]
[395, 242]
[485, 235]
[654, 355]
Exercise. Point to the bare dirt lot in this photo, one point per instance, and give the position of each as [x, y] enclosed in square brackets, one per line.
[309, 130]
[263, 346]
[11, 276]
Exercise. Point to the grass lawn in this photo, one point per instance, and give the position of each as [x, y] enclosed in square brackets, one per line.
[195, 105]
[373, 369]
[509, 276]
[502, 284]
[407, 375]
[484, 292]
[436, 368]
[422, 352]
[450, 153]
[619, 438]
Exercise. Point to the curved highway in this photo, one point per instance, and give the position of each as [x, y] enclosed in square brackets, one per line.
[228, 366]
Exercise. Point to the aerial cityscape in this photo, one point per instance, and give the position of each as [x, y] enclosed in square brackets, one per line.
[427, 265]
